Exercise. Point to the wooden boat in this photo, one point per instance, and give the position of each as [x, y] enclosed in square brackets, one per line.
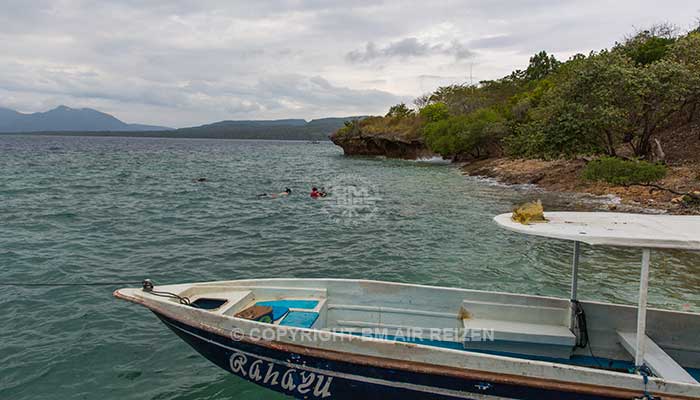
[350, 339]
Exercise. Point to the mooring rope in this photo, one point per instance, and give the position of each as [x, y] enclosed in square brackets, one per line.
[183, 300]
[58, 284]
[147, 286]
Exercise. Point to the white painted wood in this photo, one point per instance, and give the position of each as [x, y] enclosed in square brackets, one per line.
[390, 310]
[523, 332]
[614, 229]
[660, 363]
[322, 310]
[534, 314]
[235, 299]
[642, 309]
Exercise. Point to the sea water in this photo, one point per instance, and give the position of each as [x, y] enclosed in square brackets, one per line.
[82, 210]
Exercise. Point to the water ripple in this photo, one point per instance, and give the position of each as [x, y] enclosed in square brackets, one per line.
[111, 209]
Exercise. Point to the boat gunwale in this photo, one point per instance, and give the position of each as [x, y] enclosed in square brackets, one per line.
[414, 366]
[233, 284]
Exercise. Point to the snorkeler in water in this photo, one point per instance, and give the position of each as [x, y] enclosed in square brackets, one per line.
[315, 193]
[287, 192]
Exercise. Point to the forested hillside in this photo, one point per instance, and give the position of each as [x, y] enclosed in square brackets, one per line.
[623, 101]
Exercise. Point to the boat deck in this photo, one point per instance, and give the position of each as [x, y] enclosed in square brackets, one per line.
[517, 326]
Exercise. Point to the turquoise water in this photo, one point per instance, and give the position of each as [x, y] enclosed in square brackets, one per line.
[120, 210]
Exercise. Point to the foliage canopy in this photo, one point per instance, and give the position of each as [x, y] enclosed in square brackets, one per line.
[595, 104]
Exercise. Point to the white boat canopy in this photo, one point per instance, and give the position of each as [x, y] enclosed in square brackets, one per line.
[616, 229]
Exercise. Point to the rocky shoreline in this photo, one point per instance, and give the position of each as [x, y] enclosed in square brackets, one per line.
[557, 176]
[564, 176]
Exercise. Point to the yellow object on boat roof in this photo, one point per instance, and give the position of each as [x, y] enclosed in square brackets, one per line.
[529, 213]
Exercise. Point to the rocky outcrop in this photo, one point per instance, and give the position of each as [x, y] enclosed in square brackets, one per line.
[390, 136]
[381, 146]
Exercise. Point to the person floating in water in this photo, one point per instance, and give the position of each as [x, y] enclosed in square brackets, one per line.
[315, 193]
[287, 192]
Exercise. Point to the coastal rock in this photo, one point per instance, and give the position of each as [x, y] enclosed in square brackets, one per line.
[381, 146]
[392, 137]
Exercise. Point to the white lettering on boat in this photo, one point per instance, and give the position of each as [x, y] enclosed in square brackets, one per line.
[237, 362]
[271, 375]
[255, 370]
[289, 379]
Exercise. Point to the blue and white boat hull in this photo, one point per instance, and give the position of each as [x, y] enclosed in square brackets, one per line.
[308, 377]
[319, 354]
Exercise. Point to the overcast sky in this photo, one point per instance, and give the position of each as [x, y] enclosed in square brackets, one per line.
[188, 62]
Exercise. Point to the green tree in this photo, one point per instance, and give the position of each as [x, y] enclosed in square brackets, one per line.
[465, 135]
[607, 99]
[422, 101]
[662, 91]
[399, 111]
[541, 65]
[687, 51]
[434, 112]
[586, 111]
[649, 45]
[460, 99]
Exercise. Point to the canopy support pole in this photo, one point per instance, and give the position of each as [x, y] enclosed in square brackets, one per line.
[642, 310]
[574, 282]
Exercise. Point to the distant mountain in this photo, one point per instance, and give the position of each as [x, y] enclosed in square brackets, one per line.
[260, 123]
[87, 122]
[295, 129]
[64, 118]
[284, 129]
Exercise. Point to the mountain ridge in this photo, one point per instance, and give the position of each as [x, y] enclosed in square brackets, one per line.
[64, 118]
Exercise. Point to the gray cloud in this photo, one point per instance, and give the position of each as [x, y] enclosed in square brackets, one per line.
[408, 47]
[185, 62]
[495, 42]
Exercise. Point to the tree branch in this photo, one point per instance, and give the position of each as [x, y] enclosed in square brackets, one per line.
[655, 186]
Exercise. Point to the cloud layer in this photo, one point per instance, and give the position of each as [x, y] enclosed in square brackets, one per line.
[186, 62]
[407, 48]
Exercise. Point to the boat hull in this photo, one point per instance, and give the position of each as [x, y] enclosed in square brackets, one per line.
[304, 375]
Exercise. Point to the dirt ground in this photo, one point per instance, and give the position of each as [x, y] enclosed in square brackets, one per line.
[565, 176]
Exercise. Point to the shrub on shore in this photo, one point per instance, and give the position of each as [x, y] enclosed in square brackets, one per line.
[470, 134]
[616, 171]
[403, 127]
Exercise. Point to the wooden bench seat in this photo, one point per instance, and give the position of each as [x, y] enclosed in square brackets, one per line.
[530, 329]
[523, 332]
